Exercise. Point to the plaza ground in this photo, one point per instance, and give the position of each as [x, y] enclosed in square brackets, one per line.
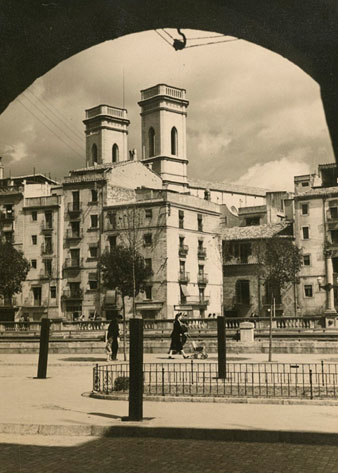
[52, 425]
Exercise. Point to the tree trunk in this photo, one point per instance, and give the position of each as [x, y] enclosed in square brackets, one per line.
[124, 329]
[134, 287]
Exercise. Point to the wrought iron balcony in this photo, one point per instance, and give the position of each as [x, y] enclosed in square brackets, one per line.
[202, 279]
[6, 216]
[46, 273]
[74, 234]
[73, 294]
[201, 253]
[183, 250]
[183, 277]
[46, 249]
[73, 263]
[74, 207]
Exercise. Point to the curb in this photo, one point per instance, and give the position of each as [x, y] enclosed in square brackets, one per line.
[145, 430]
[225, 400]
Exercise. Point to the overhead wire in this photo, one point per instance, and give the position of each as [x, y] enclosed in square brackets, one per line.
[197, 38]
[58, 115]
[77, 143]
[52, 131]
[164, 39]
[212, 42]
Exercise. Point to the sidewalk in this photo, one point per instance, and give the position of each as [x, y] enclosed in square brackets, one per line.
[59, 405]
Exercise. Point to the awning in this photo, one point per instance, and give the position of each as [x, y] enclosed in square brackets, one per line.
[184, 290]
[93, 277]
[110, 298]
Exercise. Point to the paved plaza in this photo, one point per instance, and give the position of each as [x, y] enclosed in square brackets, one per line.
[51, 425]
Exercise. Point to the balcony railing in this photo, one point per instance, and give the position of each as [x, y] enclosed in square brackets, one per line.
[202, 279]
[74, 235]
[6, 216]
[106, 110]
[201, 253]
[74, 207]
[183, 277]
[73, 294]
[47, 226]
[195, 301]
[46, 273]
[73, 263]
[163, 89]
[46, 249]
[183, 250]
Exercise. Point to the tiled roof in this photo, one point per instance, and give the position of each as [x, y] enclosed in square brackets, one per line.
[84, 178]
[253, 232]
[227, 187]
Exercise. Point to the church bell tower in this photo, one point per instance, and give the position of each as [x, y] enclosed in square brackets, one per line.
[164, 113]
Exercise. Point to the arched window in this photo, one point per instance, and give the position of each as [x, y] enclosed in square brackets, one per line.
[115, 154]
[151, 142]
[94, 153]
[174, 141]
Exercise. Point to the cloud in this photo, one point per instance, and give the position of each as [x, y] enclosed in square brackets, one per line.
[276, 175]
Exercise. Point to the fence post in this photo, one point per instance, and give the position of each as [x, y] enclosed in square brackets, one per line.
[136, 369]
[221, 347]
[323, 372]
[311, 389]
[43, 353]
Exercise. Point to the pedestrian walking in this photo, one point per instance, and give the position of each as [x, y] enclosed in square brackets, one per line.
[113, 337]
[178, 336]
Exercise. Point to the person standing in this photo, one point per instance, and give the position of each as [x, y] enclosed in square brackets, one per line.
[178, 336]
[113, 335]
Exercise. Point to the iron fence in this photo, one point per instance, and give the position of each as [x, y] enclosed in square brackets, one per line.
[267, 380]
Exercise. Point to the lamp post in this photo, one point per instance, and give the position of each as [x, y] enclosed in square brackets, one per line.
[328, 288]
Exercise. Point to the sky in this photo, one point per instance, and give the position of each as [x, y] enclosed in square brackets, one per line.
[254, 117]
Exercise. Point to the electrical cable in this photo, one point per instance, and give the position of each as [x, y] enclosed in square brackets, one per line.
[212, 42]
[52, 131]
[164, 39]
[52, 122]
[166, 32]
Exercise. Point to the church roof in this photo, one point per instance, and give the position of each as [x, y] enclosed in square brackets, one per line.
[253, 232]
[227, 187]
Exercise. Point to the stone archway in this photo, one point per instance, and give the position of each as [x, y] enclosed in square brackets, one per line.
[37, 35]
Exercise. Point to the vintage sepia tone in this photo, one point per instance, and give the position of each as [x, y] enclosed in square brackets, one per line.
[168, 236]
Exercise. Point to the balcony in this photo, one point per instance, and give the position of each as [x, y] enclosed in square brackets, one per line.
[73, 263]
[202, 279]
[163, 89]
[6, 216]
[183, 277]
[74, 207]
[47, 227]
[201, 253]
[46, 274]
[183, 250]
[73, 294]
[74, 235]
[46, 249]
[106, 110]
[194, 301]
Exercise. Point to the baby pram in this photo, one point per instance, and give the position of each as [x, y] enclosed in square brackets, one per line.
[199, 351]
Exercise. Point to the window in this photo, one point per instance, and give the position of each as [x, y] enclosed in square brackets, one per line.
[240, 251]
[200, 269]
[207, 195]
[34, 215]
[334, 236]
[93, 251]
[94, 221]
[308, 290]
[201, 294]
[115, 153]
[33, 263]
[334, 212]
[174, 141]
[252, 221]
[200, 244]
[149, 213]
[48, 267]
[182, 267]
[94, 153]
[180, 219]
[37, 295]
[112, 220]
[243, 291]
[305, 184]
[75, 289]
[48, 247]
[151, 138]
[148, 239]
[181, 240]
[76, 201]
[49, 219]
[75, 257]
[272, 293]
[148, 263]
[92, 285]
[94, 195]
[148, 292]
[75, 229]
[53, 292]
[306, 260]
[199, 223]
[112, 241]
[34, 239]
[305, 209]
[306, 233]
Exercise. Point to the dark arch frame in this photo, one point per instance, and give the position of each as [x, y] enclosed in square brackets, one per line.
[151, 142]
[94, 153]
[115, 153]
[174, 141]
[36, 36]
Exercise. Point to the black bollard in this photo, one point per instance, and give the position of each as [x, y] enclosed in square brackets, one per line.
[136, 369]
[43, 354]
[221, 347]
